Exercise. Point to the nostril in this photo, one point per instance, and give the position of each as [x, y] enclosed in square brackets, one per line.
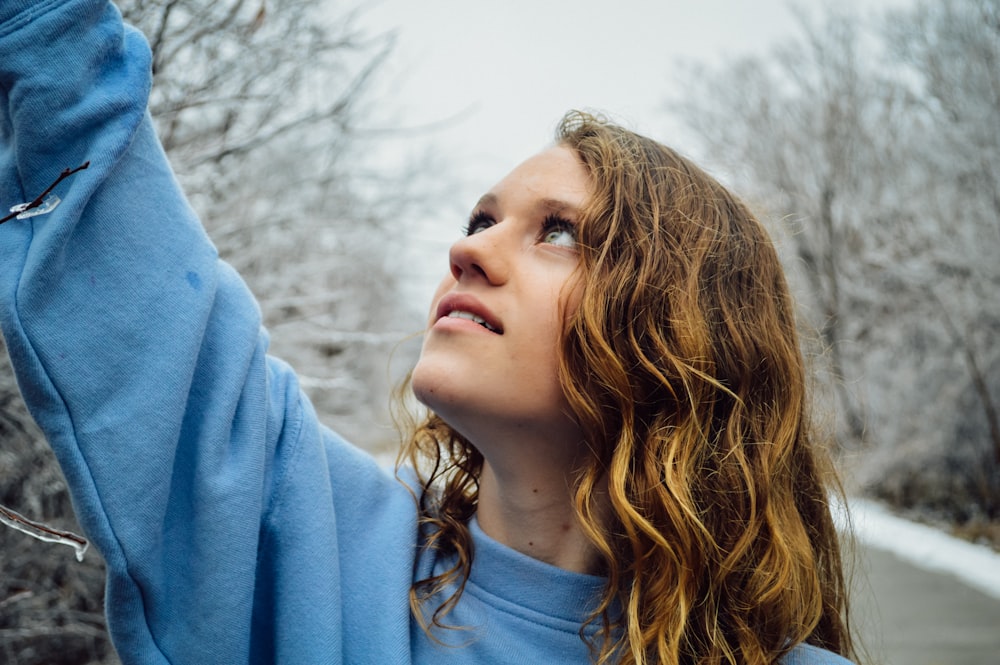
[457, 271]
[476, 257]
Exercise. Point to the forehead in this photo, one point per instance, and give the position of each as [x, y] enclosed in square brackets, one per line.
[554, 178]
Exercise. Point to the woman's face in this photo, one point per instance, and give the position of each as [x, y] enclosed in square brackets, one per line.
[489, 364]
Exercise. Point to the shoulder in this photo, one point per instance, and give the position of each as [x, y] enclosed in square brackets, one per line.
[807, 654]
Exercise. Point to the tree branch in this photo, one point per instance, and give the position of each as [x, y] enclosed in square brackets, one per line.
[21, 208]
[43, 532]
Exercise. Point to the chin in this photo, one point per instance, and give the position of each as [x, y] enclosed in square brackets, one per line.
[434, 386]
[420, 389]
[439, 379]
[429, 384]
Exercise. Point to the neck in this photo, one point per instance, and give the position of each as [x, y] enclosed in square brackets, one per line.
[531, 511]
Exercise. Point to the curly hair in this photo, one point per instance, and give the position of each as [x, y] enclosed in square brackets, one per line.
[682, 367]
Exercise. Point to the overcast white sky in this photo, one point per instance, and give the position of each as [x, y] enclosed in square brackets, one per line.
[505, 72]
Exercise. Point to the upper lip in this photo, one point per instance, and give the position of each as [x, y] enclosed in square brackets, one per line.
[464, 302]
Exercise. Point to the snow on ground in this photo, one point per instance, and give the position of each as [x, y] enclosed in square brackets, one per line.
[975, 565]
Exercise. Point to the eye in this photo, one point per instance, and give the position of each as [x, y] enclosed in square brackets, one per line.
[480, 221]
[558, 231]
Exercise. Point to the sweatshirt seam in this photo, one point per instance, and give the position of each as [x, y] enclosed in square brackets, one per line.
[294, 437]
[25, 15]
[488, 598]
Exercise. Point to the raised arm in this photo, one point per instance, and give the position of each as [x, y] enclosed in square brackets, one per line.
[142, 357]
[137, 351]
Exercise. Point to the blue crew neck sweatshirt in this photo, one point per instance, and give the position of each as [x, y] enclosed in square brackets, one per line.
[236, 528]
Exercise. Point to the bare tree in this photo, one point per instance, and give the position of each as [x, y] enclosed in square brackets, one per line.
[949, 67]
[789, 127]
[875, 145]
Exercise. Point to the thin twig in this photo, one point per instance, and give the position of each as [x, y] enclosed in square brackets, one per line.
[43, 531]
[38, 200]
[23, 594]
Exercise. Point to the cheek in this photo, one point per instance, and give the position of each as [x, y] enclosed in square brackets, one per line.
[570, 297]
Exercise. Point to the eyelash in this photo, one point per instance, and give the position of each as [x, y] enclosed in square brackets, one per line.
[552, 222]
[478, 219]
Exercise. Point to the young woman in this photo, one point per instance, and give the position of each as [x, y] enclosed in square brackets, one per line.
[617, 467]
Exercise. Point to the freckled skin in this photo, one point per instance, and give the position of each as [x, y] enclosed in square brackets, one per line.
[491, 387]
[502, 391]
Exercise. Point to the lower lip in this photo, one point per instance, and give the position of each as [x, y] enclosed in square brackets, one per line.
[455, 323]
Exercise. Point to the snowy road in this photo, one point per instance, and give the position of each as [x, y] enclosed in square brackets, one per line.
[921, 597]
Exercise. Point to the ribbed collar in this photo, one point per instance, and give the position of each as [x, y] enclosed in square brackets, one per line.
[535, 585]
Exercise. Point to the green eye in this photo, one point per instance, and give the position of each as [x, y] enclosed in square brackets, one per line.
[558, 231]
[479, 221]
[560, 237]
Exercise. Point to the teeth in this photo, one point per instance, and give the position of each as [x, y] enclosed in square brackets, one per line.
[459, 314]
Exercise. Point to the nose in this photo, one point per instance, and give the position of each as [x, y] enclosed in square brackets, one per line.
[481, 256]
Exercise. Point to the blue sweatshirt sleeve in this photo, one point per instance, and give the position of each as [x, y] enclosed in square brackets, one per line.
[142, 357]
[137, 352]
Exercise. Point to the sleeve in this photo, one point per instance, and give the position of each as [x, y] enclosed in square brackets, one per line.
[142, 358]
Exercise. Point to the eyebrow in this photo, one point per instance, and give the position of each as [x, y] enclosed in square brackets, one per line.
[546, 204]
[488, 199]
[559, 206]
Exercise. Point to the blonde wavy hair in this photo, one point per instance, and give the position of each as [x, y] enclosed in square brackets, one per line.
[682, 366]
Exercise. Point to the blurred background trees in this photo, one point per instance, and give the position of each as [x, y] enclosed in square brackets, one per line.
[262, 108]
[873, 146]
